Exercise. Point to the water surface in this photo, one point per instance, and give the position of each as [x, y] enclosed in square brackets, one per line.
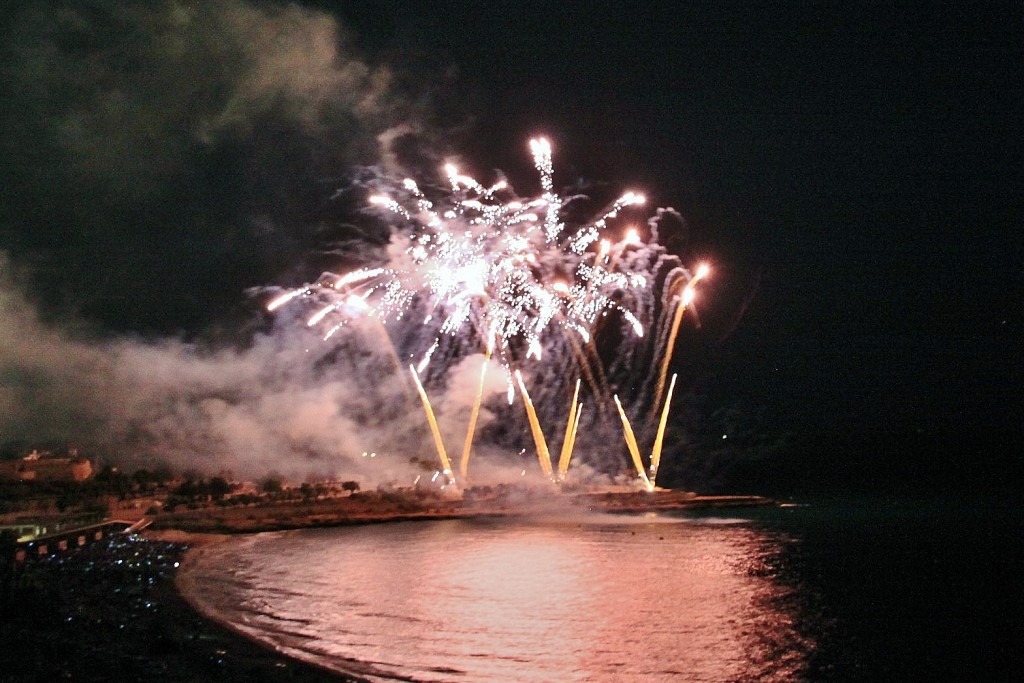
[829, 591]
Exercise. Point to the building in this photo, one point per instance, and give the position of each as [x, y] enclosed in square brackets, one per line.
[43, 466]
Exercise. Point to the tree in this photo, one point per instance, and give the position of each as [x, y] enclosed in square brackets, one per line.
[144, 479]
[219, 487]
[188, 489]
[113, 481]
[162, 474]
[350, 486]
[8, 547]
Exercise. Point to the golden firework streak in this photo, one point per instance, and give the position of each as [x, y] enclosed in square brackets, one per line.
[468, 445]
[669, 347]
[687, 296]
[543, 455]
[658, 440]
[438, 443]
[570, 433]
[634, 450]
[572, 439]
[598, 389]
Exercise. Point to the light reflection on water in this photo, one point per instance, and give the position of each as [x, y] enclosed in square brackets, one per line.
[623, 599]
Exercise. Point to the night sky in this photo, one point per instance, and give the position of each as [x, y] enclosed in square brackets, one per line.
[853, 171]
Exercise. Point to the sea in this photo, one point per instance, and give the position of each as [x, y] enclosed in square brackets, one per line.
[818, 589]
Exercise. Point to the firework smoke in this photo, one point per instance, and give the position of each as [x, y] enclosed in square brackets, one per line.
[204, 150]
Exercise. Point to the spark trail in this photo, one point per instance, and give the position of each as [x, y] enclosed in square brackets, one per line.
[660, 438]
[543, 454]
[434, 430]
[634, 448]
[467, 447]
[477, 268]
[482, 263]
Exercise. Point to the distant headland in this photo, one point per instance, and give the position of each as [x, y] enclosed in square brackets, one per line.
[377, 507]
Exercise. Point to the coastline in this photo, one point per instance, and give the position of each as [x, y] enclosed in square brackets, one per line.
[382, 508]
[261, 654]
[197, 542]
[121, 609]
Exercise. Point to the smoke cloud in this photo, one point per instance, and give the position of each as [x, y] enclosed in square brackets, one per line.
[279, 404]
[162, 156]
[286, 402]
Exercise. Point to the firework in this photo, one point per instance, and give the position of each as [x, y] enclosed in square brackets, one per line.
[634, 449]
[471, 429]
[681, 302]
[571, 425]
[483, 263]
[659, 439]
[434, 430]
[476, 267]
[543, 454]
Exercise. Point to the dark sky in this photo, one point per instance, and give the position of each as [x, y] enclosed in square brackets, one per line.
[866, 159]
[856, 167]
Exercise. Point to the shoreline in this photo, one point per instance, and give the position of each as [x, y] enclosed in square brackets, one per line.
[362, 509]
[120, 608]
[197, 542]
